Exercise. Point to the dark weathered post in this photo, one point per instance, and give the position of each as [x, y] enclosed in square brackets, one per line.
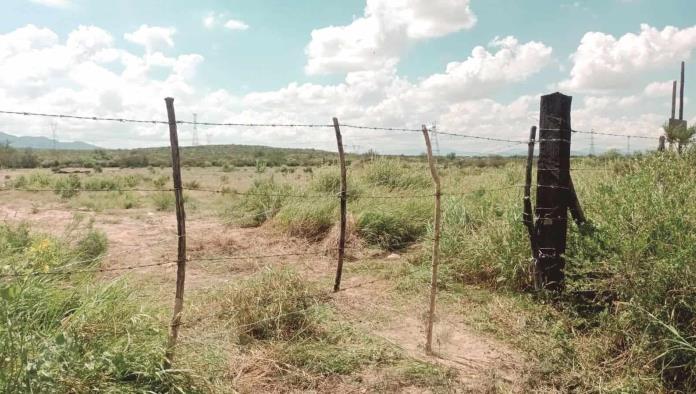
[681, 94]
[344, 203]
[553, 187]
[181, 232]
[527, 213]
[661, 144]
[674, 98]
[436, 243]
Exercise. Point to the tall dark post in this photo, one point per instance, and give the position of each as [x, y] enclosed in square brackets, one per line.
[674, 99]
[681, 94]
[553, 190]
[181, 232]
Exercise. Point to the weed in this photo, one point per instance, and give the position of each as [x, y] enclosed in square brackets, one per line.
[163, 201]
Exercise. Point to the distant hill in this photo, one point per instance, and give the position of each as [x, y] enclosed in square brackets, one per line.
[43, 143]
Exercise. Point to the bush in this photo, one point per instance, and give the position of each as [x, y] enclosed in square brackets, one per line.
[92, 245]
[275, 304]
[192, 185]
[393, 174]
[163, 201]
[261, 202]
[69, 334]
[307, 219]
[160, 181]
[68, 187]
[394, 227]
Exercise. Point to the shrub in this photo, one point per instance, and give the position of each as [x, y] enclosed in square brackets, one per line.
[192, 185]
[101, 183]
[163, 201]
[92, 245]
[275, 304]
[392, 174]
[307, 219]
[260, 166]
[68, 187]
[261, 202]
[394, 227]
[160, 181]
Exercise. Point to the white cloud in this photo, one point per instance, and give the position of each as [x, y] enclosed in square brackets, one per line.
[209, 21]
[87, 74]
[53, 3]
[377, 38]
[482, 70]
[603, 62]
[234, 24]
[152, 37]
[213, 20]
[659, 89]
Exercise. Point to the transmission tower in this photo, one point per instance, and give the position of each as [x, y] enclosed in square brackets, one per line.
[433, 136]
[194, 140]
[54, 130]
[207, 138]
[628, 144]
[592, 151]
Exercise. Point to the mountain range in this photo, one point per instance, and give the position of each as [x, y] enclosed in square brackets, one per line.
[42, 143]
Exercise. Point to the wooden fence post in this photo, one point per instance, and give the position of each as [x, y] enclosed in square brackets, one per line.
[181, 232]
[553, 190]
[527, 213]
[344, 201]
[436, 244]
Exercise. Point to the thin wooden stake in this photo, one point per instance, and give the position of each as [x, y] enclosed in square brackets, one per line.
[527, 213]
[181, 231]
[344, 198]
[575, 208]
[436, 244]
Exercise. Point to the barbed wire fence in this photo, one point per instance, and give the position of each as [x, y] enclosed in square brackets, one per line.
[342, 197]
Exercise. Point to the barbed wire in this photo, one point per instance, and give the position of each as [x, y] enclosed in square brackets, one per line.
[80, 117]
[224, 258]
[614, 134]
[309, 125]
[88, 270]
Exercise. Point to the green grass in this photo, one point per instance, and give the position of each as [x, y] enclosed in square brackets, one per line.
[308, 219]
[262, 202]
[627, 318]
[70, 333]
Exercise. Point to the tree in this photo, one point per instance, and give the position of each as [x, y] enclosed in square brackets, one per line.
[679, 134]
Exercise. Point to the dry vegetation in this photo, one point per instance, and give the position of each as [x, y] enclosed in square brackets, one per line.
[625, 324]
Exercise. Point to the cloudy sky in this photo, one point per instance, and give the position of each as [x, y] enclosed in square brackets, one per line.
[471, 66]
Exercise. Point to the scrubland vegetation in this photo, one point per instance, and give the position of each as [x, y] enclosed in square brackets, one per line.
[626, 321]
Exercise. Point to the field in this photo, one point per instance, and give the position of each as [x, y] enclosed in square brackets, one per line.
[259, 313]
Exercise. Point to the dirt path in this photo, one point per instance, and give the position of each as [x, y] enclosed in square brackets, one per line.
[138, 237]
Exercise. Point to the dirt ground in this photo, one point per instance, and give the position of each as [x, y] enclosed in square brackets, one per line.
[142, 236]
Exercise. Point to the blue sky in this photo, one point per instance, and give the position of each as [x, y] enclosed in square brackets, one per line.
[395, 63]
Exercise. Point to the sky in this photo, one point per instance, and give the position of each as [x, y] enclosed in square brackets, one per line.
[470, 66]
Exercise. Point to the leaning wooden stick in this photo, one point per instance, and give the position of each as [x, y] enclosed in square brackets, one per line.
[436, 244]
[527, 213]
[342, 235]
[575, 207]
[181, 232]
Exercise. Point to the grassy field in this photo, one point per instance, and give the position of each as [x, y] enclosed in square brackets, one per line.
[626, 322]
